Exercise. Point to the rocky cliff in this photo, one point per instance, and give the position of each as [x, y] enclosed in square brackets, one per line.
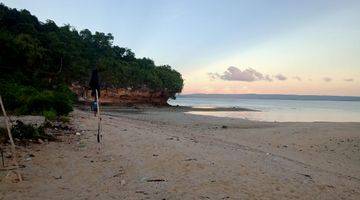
[122, 96]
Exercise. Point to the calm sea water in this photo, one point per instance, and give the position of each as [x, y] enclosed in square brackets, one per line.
[278, 110]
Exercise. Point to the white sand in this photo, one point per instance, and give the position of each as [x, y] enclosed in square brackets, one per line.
[196, 158]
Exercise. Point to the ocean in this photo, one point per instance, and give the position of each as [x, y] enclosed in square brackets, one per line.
[271, 109]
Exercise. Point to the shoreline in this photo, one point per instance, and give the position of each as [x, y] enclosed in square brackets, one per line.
[177, 108]
[206, 112]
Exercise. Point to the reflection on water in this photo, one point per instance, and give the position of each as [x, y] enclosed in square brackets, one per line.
[278, 110]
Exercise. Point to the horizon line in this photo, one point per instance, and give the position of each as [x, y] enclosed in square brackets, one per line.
[319, 95]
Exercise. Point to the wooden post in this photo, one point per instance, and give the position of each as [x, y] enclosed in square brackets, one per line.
[99, 136]
[13, 150]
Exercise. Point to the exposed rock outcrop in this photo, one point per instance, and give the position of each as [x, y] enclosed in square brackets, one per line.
[123, 96]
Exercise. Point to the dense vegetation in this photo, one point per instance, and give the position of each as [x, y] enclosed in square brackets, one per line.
[38, 60]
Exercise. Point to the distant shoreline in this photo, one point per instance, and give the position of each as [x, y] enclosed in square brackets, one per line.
[275, 97]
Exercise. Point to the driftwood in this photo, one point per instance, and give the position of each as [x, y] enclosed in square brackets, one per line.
[13, 149]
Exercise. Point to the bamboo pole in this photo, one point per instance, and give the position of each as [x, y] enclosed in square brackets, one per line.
[13, 149]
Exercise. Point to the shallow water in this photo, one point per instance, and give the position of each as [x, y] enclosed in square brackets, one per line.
[278, 110]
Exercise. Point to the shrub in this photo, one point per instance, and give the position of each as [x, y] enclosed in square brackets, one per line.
[24, 131]
[25, 100]
[50, 114]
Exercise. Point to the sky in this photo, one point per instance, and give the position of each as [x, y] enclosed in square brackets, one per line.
[230, 46]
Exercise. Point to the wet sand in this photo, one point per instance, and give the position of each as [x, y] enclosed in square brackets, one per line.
[169, 154]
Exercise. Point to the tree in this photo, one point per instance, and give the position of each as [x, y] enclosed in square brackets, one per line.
[47, 56]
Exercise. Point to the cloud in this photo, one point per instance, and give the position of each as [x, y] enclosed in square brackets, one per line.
[213, 76]
[297, 78]
[235, 74]
[349, 79]
[327, 79]
[267, 78]
[280, 77]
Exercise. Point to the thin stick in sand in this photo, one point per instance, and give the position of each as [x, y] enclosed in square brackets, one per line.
[13, 150]
[99, 136]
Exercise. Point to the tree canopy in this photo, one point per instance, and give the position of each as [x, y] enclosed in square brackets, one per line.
[44, 55]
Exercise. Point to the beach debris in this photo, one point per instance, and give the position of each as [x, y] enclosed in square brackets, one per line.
[191, 159]
[141, 192]
[57, 177]
[173, 137]
[224, 126]
[77, 133]
[27, 159]
[118, 174]
[306, 175]
[155, 155]
[155, 180]
[285, 146]
[11, 178]
[121, 172]
[194, 140]
[40, 141]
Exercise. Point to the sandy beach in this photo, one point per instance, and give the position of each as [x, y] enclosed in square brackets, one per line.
[170, 154]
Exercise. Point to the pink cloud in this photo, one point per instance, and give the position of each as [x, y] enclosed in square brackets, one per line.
[235, 74]
[280, 77]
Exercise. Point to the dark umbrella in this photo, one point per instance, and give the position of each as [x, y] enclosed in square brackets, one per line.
[94, 82]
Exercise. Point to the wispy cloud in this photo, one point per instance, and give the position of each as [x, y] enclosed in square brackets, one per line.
[327, 79]
[280, 77]
[235, 74]
[297, 78]
[349, 79]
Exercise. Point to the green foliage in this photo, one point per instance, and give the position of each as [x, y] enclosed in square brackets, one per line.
[29, 100]
[50, 114]
[40, 58]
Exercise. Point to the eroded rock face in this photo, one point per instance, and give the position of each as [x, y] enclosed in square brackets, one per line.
[122, 96]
